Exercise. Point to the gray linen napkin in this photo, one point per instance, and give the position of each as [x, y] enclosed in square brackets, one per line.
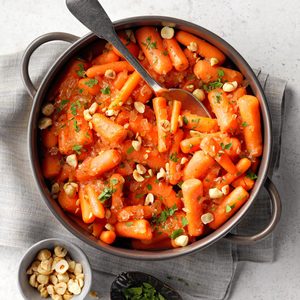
[25, 219]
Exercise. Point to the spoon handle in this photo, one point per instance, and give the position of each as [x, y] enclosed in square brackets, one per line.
[91, 14]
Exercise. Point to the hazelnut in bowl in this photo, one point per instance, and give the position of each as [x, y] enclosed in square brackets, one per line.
[56, 269]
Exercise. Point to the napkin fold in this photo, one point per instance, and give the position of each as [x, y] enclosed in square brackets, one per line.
[25, 219]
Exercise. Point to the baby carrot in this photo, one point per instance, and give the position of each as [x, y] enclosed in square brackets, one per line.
[244, 181]
[192, 191]
[174, 160]
[191, 144]
[89, 85]
[198, 123]
[242, 166]
[96, 206]
[224, 110]
[50, 166]
[117, 182]
[250, 114]
[134, 212]
[229, 206]
[105, 58]
[86, 210]
[108, 129]
[108, 236]
[121, 79]
[104, 162]
[207, 73]
[152, 45]
[125, 91]
[177, 56]
[136, 229]
[174, 115]
[161, 114]
[198, 166]
[116, 66]
[204, 49]
[216, 150]
[68, 203]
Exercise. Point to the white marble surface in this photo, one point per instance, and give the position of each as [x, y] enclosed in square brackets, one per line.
[267, 34]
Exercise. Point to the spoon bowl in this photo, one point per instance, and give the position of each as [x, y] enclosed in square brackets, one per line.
[91, 14]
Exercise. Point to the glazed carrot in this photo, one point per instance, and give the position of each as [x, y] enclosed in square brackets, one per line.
[242, 166]
[108, 130]
[96, 206]
[192, 191]
[89, 85]
[174, 161]
[104, 162]
[142, 93]
[117, 66]
[136, 229]
[134, 212]
[152, 46]
[250, 114]
[198, 123]
[229, 206]
[224, 110]
[243, 181]
[105, 58]
[235, 95]
[203, 48]
[232, 147]
[108, 236]
[125, 91]
[161, 245]
[49, 137]
[198, 166]
[121, 79]
[191, 144]
[191, 56]
[207, 73]
[161, 114]
[86, 210]
[174, 116]
[68, 203]
[177, 56]
[216, 150]
[117, 182]
[50, 166]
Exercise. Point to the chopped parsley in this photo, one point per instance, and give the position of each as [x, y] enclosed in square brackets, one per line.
[128, 224]
[244, 124]
[62, 104]
[80, 91]
[184, 221]
[140, 195]
[76, 127]
[228, 208]
[77, 149]
[149, 44]
[221, 73]
[106, 90]
[226, 146]
[73, 109]
[165, 214]
[106, 194]
[144, 292]
[185, 120]
[165, 52]
[251, 175]
[130, 150]
[149, 187]
[174, 157]
[91, 82]
[114, 181]
[176, 233]
[81, 71]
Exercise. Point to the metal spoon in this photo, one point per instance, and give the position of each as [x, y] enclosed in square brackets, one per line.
[91, 14]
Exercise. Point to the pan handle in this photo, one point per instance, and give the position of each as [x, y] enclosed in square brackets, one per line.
[52, 36]
[276, 212]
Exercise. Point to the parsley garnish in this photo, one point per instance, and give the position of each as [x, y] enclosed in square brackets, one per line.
[184, 221]
[130, 150]
[106, 194]
[165, 52]
[114, 181]
[228, 208]
[176, 233]
[165, 214]
[62, 104]
[221, 73]
[251, 175]
[128, 224]
[80, 72]
[91, 82]
[226, 146]
[218, 97]
[77, 149]
[174, 157]
[149, 187]
[106, 90]
[80, 91]
[144, 292]
[185, 120]
[244, 124]
[73, 109]
[76, 127]
[149, 44]
[140, 195]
